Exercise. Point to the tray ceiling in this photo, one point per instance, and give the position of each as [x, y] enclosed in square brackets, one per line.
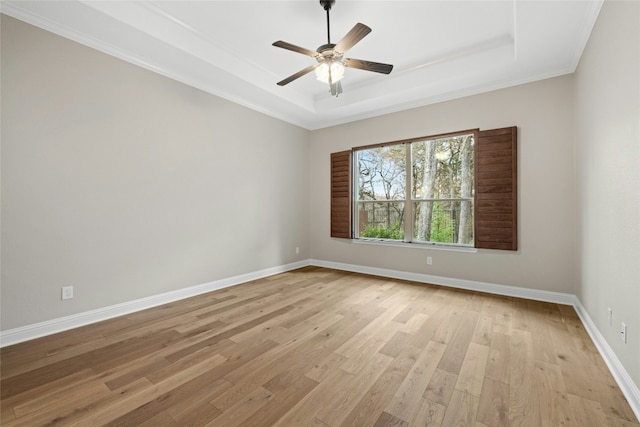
[441, 50]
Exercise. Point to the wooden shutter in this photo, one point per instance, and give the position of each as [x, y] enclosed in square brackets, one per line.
[495, 205]
[341, 194]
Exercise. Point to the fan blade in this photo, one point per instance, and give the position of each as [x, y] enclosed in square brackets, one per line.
[295, 48]
[297, 75]
[368, 65]
[356, 34]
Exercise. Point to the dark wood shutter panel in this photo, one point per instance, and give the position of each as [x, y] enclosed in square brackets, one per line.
[341, 194]
[496, 198]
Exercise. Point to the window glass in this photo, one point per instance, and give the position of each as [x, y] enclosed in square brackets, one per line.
[381, 195]
[439, 192]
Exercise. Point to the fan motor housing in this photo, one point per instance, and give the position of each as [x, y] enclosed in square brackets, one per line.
[325, 47]
[326, 4]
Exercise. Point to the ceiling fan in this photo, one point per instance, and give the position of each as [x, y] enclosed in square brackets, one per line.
[330, 57]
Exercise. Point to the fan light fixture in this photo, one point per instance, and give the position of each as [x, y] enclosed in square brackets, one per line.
[330, 61]
[330, 71]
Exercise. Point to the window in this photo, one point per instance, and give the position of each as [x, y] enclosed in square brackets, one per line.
[432, 204]
[454, 189]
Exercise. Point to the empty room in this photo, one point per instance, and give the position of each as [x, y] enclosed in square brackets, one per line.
[320, 213]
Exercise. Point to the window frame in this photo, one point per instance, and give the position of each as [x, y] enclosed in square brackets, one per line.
[409, 200]
[495, 192]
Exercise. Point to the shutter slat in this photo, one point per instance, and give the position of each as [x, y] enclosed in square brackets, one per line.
[493, 174]
[341, 194]
[501, 167]
[493, 196]
[495, 160]
[499, 144]
[494, 189]
[496, 181]
[495, 204]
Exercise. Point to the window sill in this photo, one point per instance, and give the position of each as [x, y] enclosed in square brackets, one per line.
[429, 246]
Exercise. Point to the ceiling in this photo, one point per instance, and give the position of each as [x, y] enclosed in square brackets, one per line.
[440, 50]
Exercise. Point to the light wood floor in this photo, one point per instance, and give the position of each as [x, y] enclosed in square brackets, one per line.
[318, 347]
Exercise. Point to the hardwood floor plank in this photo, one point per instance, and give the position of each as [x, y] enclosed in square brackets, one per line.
[449, 327]
[493, 406]
[587, 413]
[543, 347]
[161, 420]
[227, 334]
[148, 367]
[345, 399]
[394, 345]
[498, 361]
[320, 370]
[305, 410]
[88, 390]
[555, 408]
[441, 387]
[437, 319]
[15, 367]
[319, 347]
[462, 409]
[524, 408]
[405, 315]
[199, 398]
[471, 374]
[386, 420]
[406, 400]
[285, 398]
[99, 360]
[350, 348]
[141, 405]
[482, 333]
[78, 407]
[210, 354]
[430, 414]
[313, 333]
[614, 404]
[520, 315]
[457, 346]
[503, 322]
[238, 413]
[298, 358]
[308, 327]
[372, 404]
[366, 351]
[198, 415]
[64, 383]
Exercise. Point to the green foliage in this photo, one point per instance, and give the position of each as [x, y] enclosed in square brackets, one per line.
[382, 232]
[441, 227]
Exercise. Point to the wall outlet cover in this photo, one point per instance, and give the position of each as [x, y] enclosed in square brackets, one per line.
[67, 292]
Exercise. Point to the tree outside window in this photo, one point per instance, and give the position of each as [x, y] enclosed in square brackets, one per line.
[438, 192]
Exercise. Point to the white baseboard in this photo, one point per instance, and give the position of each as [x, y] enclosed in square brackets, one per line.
[49, 327]
[620, 374]
[491, 288]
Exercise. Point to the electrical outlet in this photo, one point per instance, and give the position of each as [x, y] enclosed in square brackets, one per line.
[67, 292]
[429, 260]
[610, 316]
[623, 332]
[297, 250]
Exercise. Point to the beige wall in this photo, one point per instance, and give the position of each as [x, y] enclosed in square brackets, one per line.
[126, 184]
[607, 103]
[547, 217]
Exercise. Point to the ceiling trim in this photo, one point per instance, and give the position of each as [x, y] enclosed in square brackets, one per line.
[196, 59]
[585, 32]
